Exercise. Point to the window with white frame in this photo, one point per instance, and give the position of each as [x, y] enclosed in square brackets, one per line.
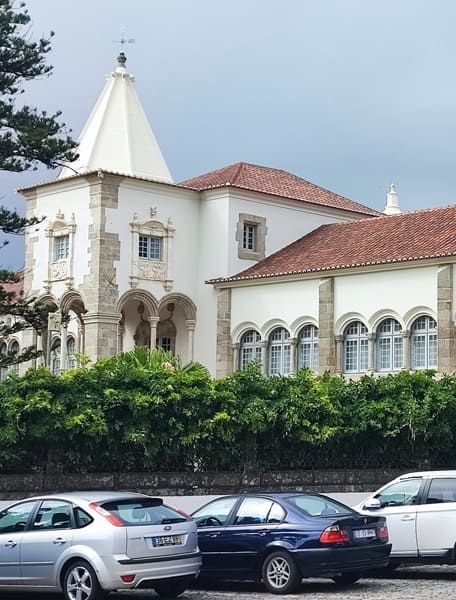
[389, 346]
[55, 356]
[61, 247]
[71, 351]
[150, 247]
[250, 348]
[279, 352]
[250, 236]
[14, 351]
[308, 348]
[3, 354]
[423, 343]
[355, 348]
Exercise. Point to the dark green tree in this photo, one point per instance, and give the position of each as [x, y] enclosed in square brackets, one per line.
[28, 138]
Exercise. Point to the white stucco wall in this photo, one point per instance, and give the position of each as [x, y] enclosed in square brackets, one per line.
[67, 200]
[286, 221]
[399, 293]
[290, 304]
[182, 207]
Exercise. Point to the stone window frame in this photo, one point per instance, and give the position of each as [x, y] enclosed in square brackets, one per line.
[261, 230]
[429, 335]
[150, 269]
[60, 269]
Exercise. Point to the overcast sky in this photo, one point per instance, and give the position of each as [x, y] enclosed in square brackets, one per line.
[348, 94]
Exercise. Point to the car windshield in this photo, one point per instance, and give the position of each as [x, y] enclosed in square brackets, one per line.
[139, 511]
[319, 506]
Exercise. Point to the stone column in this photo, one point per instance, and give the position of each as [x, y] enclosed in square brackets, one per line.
[63, 346]
[120, 334]
[405, 350]
[264, 356]
[100, 334]
[370, 352]
[236, 360]
[339, 339]
[224, 354]
[326, 343]
[191, 323]
[446, 359]
[293, 357]
[153, 321]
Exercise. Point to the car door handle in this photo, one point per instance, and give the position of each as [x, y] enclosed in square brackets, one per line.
[214, 535]
[407, 518]
[10, 544]
[59, 540]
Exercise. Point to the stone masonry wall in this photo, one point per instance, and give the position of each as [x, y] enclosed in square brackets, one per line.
[187, 484]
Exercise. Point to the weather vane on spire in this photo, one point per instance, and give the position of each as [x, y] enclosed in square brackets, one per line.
[123, 39]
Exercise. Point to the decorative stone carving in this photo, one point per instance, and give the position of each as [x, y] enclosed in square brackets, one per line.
[151, 270]
[59, 269]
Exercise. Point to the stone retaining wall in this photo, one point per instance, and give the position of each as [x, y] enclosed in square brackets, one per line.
[188, 484]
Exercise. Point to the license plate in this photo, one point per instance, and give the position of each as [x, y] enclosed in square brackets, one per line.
[164, 540]
[364, 533]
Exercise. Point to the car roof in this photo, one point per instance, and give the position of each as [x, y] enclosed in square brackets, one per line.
[428, 474]
[89, 496]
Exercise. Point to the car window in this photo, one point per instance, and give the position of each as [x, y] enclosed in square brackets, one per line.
[53, 514]
[215, 513]
[442, 490]
[147, 511]
[15, 517]
[253, 511]
[276, 514]
[401, 493]
[81, 517]
[319, 506]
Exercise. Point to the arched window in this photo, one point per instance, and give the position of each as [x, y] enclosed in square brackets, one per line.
[14, 350]
[355, 348]
[279, 352]
[423, 343]
[3, 353]
[250, 348]
[55, 356]
[71, 358]
[308, 348]
[389, 346]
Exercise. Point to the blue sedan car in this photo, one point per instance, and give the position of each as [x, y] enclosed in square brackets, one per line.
[280, 538]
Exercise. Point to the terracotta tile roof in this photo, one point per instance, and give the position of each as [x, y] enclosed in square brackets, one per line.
[418, 235]
[17, 286]
[276, 182]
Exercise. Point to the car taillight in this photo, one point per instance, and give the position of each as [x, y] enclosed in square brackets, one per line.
[106, 514]
[334, 534]
[128, 578]
[383, 532]
[183, 513]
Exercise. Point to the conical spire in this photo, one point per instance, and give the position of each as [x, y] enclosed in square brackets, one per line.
[117, 136]
[392, 202]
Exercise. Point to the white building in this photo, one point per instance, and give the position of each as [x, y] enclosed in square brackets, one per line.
[125, 254]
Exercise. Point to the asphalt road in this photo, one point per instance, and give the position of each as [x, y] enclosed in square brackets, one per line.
[418, 583]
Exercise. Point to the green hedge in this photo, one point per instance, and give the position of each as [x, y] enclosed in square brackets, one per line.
[140, 411]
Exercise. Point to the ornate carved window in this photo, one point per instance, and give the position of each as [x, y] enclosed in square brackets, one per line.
[61, 243]
[151, 251]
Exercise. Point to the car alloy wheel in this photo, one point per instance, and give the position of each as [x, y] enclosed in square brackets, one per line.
[81, 583]
[280, 573]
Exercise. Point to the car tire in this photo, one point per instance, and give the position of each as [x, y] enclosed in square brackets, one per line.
[170, 589]
[280, 573]
[346, 578]
[81, 583]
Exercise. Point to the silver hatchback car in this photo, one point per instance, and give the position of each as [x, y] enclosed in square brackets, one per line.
[88, 543]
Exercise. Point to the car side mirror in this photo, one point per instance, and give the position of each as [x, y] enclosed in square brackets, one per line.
[372, 504]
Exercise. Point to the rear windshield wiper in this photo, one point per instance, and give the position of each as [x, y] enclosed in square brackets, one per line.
[173, 520]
